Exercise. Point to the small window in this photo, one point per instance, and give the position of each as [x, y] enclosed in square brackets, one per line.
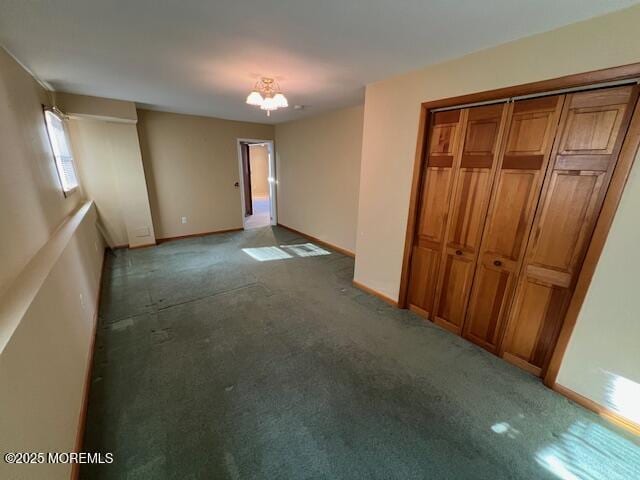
[61, 150]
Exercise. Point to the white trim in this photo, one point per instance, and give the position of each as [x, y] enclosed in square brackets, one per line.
[67, 189]
[273, 178]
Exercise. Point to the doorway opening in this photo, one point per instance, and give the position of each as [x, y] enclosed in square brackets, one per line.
[257, 182]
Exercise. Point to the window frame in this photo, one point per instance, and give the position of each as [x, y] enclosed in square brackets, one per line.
[58, 113]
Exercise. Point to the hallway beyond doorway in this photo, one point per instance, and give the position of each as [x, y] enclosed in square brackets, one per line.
[261, 216]
[257, 182]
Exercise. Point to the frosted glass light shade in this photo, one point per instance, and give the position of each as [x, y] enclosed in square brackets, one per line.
[255, 98]
[281, 100]
[269, 104]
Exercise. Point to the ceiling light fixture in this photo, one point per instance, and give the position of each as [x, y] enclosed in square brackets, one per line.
[266, 94]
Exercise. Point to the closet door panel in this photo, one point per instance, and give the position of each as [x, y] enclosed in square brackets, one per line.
[569, 208]
[515, 196]
[433, 215]
[465, 233]
[428, 246]
[442, 143]
[456, 278]
[469, 204]
[593, 126]
[467, 218]
[530, 134]
[532, 341]
[494, 285]
[424, 268]
[548, 276]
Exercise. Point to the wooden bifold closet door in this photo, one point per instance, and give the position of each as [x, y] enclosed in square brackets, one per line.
[444, 136]
[526, 152]
[474, 170]
[510, 196]
[592, 128]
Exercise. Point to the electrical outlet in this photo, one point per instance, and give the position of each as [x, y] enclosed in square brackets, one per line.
[82, 302]
[184, 219]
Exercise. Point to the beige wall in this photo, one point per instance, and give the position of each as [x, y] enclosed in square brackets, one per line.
[191, 165]
[109, 163]
[43, 366]
[98, 178]
[50, 261]
[318, 170]
[390, 130]
[259, 160]
[31, 199]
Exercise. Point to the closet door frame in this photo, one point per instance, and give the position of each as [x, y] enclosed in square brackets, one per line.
[625, 162]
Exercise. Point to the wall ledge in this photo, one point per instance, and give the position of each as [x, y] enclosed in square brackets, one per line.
[16, 299]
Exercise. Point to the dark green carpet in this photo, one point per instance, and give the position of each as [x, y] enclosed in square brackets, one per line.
[211, 364]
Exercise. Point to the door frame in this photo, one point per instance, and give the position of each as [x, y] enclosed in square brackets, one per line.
[272, 178]
[625, 162]
[245, 151]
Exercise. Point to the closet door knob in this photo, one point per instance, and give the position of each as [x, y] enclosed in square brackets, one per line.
[497, 263]
[458, 252]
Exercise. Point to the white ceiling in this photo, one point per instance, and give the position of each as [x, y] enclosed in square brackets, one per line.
[203, 56]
